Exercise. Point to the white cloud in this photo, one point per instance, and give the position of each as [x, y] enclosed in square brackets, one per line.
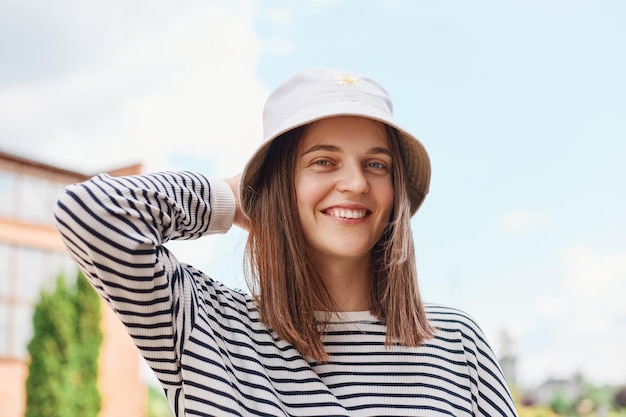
[322, 3]
[278, 15]
[600, 361]
[184, 85]
[583, 328]
[278, 45]
[551, 306]
[597, 285]
[521, 220]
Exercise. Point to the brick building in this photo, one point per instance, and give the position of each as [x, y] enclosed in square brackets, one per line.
[31, 257]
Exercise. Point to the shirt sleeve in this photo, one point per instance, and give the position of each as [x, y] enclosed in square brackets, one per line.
[490, 393]
[115, 227]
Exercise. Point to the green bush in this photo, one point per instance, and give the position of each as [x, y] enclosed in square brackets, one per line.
[63, 370]
[157, 403]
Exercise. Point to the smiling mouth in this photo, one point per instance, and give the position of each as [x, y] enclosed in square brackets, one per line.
[346, 213]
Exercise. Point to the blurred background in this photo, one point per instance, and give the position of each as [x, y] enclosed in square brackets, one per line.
[520, 104]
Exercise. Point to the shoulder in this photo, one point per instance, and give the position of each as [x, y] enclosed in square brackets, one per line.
[449, 319]
[445, 314]
[221, 296]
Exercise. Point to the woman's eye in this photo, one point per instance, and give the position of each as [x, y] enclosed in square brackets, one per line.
[321, 162]
[376, 165]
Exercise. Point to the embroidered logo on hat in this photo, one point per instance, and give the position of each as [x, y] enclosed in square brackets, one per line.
[348, 81]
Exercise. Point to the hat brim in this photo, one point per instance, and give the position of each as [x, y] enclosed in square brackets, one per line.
[416, 159]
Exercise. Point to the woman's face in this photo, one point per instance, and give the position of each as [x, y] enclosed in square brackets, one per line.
[344, 186]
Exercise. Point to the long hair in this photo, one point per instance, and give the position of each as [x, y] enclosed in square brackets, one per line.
[396, 299]
[286, 285]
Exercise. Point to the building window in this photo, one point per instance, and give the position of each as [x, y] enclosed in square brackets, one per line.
[7, 193]
[30, 274]
[36, 200]
[4, 330]
[25, 272]
[5, 265]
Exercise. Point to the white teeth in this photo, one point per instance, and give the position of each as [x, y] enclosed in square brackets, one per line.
[346, 214]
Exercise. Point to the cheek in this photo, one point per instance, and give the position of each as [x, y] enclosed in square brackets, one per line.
[386, 195]
[301, 192]
[308, 192]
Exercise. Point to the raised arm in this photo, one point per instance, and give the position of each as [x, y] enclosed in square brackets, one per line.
[115, 228]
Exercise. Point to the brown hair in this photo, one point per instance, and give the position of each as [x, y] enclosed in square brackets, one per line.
[287, 286]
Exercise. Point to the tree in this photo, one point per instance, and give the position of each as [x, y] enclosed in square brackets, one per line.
[88, 341]
[560, 404]
[157, 403]
[64, 350]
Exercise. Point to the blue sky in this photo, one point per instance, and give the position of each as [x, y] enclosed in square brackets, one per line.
[520, 104]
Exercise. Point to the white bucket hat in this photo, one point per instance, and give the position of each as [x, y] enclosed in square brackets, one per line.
[318, 93]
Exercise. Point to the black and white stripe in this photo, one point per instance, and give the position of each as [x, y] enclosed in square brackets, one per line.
[206, 344]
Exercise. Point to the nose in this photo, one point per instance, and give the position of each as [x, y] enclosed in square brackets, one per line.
[352, 179]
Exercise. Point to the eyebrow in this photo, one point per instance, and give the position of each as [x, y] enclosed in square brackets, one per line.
[333, 148]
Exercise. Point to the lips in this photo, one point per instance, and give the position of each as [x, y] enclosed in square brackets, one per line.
[346, 213]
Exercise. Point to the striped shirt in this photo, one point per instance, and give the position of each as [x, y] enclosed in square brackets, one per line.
[206, 344]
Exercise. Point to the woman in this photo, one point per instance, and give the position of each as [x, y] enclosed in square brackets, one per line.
[335, 325]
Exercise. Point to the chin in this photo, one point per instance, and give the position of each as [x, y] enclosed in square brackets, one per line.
[346, 252]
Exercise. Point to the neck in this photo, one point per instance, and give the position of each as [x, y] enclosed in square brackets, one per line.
[348, 282]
